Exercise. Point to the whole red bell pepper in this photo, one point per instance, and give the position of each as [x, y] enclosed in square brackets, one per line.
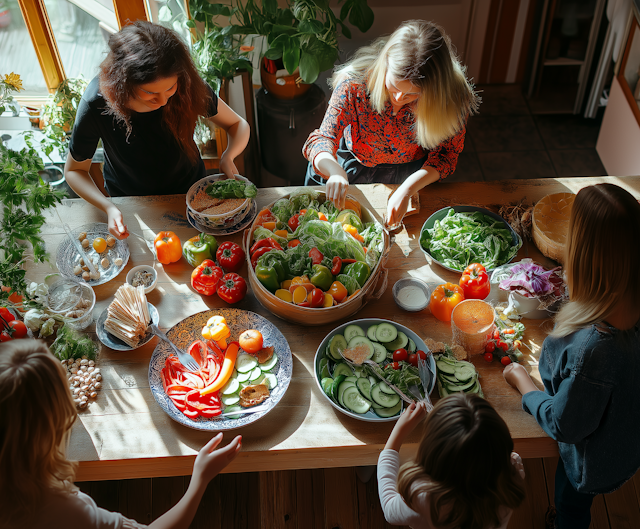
[205, 277]
[316, 256]
[269, 242]
[232, 288]
[475, 282]
[258, 253]
[336, 265]
[230, 256]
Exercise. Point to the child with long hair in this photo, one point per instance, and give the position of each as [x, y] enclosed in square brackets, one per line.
[36, 416]
[590, 363]
[397, 115]
[465, 474]
[144, 105]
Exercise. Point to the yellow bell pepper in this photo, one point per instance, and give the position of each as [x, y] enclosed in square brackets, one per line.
[217, 330]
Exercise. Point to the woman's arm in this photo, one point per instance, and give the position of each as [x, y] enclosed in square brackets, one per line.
[79, 179]
[399, 201]
[238, 132]
[338, 181]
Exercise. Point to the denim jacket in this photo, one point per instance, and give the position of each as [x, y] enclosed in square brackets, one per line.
[591, 404]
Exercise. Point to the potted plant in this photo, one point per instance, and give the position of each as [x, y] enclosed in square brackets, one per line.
[10, 83]
[303, 36]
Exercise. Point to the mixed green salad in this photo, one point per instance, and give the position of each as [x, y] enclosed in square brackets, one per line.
[460, 239]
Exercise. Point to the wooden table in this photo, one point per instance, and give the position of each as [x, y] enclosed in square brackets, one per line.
[125, 434]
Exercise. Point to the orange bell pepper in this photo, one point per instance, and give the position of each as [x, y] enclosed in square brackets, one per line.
[168, 247]
[351, 230]
[338, 291]
[444, 299]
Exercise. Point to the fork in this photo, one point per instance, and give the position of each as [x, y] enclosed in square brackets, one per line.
[254, 409]
[374, 368]
[185, 359]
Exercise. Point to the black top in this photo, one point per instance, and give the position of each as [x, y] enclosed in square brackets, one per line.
[148, 162]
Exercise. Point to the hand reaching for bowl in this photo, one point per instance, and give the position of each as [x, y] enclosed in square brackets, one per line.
[116, 224]
[228, 167]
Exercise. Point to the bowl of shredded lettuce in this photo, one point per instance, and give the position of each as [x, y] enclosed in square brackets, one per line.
[456, 236]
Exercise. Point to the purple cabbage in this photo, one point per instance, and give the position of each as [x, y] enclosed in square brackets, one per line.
[529, 279]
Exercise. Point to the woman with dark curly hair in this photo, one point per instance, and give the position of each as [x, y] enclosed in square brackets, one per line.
[144, 105]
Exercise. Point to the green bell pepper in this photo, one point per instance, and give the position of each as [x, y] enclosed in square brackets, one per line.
[199, 248]
[268, 276]
[271, 269]
[321, 277]
[359, 271]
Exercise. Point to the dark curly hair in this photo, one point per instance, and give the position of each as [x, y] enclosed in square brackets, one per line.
[142, 53]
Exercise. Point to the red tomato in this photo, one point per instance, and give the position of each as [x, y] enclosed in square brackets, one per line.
[490, 347]
[503, 345]
[413, 360]
[19, 329]
[488, 356]
[5, 337]
[6, 315]
[505, 360]
[395, 365]
[14, 297]
[421, 354]
[316, 298]
[400, 354]
[496, 334]
[509, 331]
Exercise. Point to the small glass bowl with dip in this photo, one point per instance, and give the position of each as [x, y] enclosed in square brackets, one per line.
[144, 275]
[411, 294]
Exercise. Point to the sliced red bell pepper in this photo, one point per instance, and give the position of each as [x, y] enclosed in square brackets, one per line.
[336, 265]
[259, 253]
[316, 256]
[348, 261]
[293, 243]
[192, 414]
[268, 242]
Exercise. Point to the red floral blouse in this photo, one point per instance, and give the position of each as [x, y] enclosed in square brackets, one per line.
[373, 138]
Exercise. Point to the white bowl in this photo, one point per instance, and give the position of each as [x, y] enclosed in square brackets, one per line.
[223, 220]
[147, 268]
[411, 282]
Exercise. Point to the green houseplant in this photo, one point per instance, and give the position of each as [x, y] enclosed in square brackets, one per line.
[304, 34]
[11, 82]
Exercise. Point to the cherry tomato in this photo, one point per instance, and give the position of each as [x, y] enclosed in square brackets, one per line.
[395, 365]
[496, 334]
[490, 347]
[5, 336]
[413, 359]
[504, 346]
[421, 354]
[14, 297]
[6, 315]
[505, 360]
[488, 356]
[400, 354]
[19, 329]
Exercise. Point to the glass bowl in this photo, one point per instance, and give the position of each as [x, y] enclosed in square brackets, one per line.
[73, 300]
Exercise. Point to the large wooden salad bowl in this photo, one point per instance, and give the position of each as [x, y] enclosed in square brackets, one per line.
[374, 287]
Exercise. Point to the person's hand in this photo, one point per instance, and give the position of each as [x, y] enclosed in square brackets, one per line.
[397, 207]
[406, 424]
[116, 224]
[209, 461]
[228, 167]
[517, 377]
[336, 190]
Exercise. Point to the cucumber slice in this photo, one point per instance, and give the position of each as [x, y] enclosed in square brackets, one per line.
[245, 363]
[383, 399]
[337, 344]
[354, 401]
[342, 389]
[371, 333]
[324, 372]
[445, 367]
[233, 408]
[464, 373]
[388, 412]
[351, 379]
[361, 341]
[271, 363]
[326, 384]
[364, 386]
[379, 352]
[339, 379]
[342, 369]
[229, 400]
[386, 389]
[256, 373]
[401, 341]
[353, 330]
[411, 346]
[462, 387]
[386, 332]
[359, 371]
[270, 380]
[373, 381]
[243, 377]
[231, 387]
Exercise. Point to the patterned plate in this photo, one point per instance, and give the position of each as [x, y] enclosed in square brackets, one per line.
[67, 258]
[244, 223]
[117, 344]
[188, 330]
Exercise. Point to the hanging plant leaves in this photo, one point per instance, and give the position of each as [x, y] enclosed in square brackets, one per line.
[309, 67]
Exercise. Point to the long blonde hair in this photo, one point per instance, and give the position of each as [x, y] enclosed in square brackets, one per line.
[464, 464]
[419, 52]
[36, 414]
[602, 256]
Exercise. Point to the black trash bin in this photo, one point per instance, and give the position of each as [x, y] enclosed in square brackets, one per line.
[284, 127]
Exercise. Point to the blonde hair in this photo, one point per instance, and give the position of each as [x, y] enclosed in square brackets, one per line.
[602, 256]
[419, 52]
[36, 414]
[464, 464]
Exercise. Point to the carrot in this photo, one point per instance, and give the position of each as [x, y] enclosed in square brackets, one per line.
[227, 369]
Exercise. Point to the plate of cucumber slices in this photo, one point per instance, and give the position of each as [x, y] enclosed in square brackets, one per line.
[355, 391]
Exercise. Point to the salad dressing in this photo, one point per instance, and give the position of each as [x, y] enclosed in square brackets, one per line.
[412, 296]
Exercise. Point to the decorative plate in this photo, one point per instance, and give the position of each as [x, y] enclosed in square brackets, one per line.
[244, 223]
[370, 416]
[67, 258]
[117, 344]
[188, 330]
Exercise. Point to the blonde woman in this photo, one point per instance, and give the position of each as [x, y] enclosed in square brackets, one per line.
[590, 364]
[465, 474]
[397, 115]
[36, 415]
